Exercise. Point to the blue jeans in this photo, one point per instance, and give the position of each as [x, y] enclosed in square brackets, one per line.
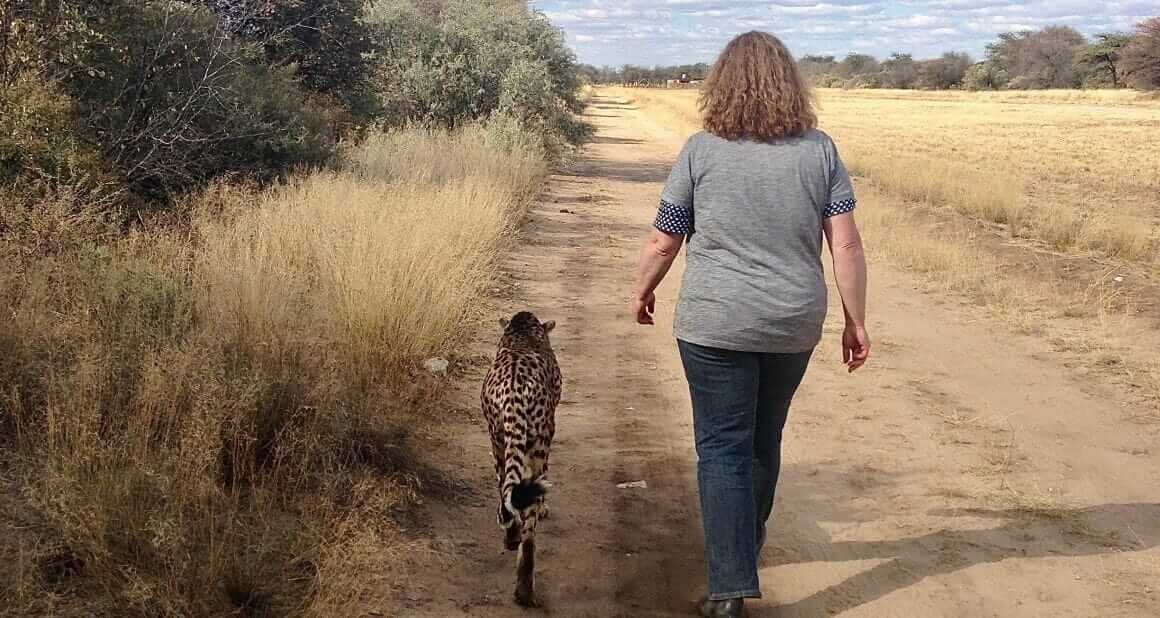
[740, 404]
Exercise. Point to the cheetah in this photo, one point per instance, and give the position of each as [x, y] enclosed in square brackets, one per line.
[519, 398]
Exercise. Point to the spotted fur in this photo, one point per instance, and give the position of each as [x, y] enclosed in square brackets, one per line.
[519, 398]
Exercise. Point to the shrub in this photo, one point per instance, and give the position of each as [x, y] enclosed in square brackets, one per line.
[326, 42]
[39, 148]
[818, 69]
[173, 102]
[525, 91]
[986, 75]
[828, 81]
[855, 65]
[899, 71]
[207, 412]
[946, 72]
[526, 95]
[474, 60]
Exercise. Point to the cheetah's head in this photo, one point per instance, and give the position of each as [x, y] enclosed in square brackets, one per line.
[526, 326]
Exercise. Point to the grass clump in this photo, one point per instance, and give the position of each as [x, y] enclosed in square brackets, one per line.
[213, 417]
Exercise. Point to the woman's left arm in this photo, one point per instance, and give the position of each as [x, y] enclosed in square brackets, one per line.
[660, 250]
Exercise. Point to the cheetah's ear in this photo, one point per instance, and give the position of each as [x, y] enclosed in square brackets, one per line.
[503, 323]
[549, 326]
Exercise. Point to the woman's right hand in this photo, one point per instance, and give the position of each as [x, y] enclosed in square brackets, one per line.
[643, 307]
[855, 346]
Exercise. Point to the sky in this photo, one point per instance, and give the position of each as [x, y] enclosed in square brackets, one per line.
[669, 32]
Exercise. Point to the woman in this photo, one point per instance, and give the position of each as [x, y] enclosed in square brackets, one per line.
[753, 194]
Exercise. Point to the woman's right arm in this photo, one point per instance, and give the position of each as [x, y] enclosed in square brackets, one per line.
[850, 272]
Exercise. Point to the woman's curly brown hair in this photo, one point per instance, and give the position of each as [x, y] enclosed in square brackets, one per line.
[756, 92]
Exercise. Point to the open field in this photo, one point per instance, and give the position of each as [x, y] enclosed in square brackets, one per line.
[1073, 170]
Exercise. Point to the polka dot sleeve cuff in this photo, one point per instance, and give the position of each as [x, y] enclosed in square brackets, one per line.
[839, 208]
[674, 219]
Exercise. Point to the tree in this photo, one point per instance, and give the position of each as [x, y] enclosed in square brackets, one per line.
[986, 75]
[854, 65]
[1040, 59]
[944, 73]
[1141, 57]
[50, 39]
[900, 71]
[1103, 56]
[475, 60]
[818, 69]
[173, 101]
[326, 42]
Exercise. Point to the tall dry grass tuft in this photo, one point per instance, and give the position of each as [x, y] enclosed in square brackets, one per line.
[500, 152]
[989, 195]
[379, 262]
[203, 420]
[952, 263]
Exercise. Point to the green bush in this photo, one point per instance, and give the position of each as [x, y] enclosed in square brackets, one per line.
[986, 76]
[39, 149]
[474, 60]
[174, 102]
[164, 97]
[326, 42]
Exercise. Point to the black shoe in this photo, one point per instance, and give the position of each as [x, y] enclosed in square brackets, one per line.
[730, 608]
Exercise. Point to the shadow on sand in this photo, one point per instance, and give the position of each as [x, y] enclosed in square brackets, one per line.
[998, 535]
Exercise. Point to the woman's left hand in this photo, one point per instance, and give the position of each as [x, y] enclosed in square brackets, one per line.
[644, 308]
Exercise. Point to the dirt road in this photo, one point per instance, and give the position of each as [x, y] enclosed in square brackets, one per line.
[964, 473]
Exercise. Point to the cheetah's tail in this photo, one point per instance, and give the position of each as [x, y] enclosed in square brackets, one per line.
[526, 493]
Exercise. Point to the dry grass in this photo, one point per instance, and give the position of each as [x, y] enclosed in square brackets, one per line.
[212, 419]
[1052, 164]
[1094, 97]
[951, 261]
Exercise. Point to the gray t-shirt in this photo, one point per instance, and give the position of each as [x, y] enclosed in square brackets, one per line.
[753, 214]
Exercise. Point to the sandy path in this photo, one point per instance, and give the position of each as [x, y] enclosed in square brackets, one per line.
[965, 473]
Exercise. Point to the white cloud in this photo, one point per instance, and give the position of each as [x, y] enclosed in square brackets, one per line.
[677, 31]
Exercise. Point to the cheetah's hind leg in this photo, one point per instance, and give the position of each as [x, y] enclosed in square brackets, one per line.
[511, 529]
[526, 575]
[543, 506]
[511, 541]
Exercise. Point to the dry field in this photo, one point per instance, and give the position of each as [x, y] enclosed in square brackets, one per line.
[1036, 205]
[1075, 170]
[210, 417]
